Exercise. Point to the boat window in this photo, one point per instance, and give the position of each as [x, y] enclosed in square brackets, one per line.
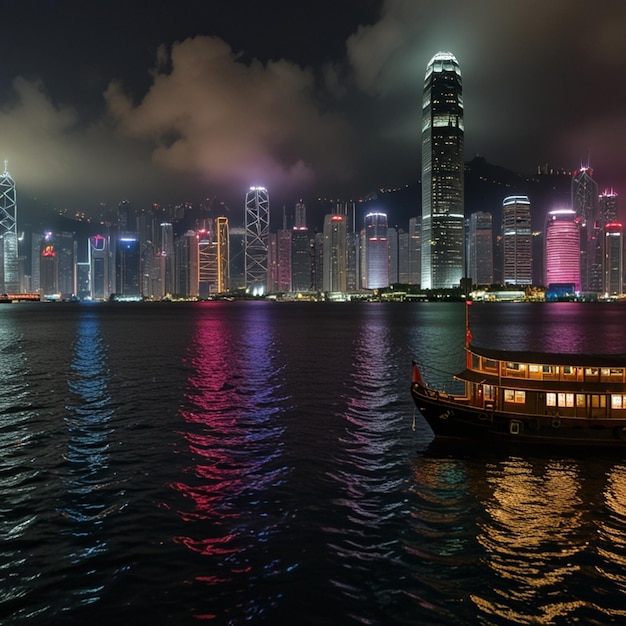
[489, 391]
[570, 373]
[490, 364]
[580, 400]
[550, 399]
[565, 399]
[611, 373]
[549, 372]
[516, 369]
[533, 368]
[514, 395]
[618, 401]
[591, 372]
[598, 402]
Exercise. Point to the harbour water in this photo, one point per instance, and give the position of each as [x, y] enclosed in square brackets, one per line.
[262, 463]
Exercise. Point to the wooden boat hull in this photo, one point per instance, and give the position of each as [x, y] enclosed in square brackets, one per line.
[451, 419]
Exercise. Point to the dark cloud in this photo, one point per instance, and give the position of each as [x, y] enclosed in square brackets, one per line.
[180, 103]
[226, 121]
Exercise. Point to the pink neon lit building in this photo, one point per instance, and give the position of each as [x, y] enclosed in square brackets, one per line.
[562, 248]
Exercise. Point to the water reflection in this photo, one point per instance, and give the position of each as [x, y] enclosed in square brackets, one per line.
[441, 550]
[534, 536]
[436, 340]
[539, 524]
[232, 463]
[612, 542]
[87, 478]
[365, 468]
[550, 327]
[19, 478]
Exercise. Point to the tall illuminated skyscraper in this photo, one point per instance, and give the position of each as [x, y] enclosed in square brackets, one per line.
[257, 239]
[562, 248]
[300, 252]
[9, 278]
[334, 254]
[585, 205]
[99, 266]
[376, 251]
[516, 241]
[223, 254]
[443, 233]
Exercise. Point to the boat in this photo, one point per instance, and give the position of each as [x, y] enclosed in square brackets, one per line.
[4, 297]
[529, 397]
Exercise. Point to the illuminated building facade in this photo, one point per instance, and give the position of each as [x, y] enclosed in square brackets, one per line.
[443, 232]
[283, 256]
[207, 263]
[49, 268]
[516, 241]
[223, 254]
[607, 207]
[257, 225]
[214, 257]
[613, 259]
[481, 248]
[167, 255]
[128, 267]
[334, 254]
[300, 251]
[99, 255]
[186, 265]
[585, 205]
[352, 261]
[67, 251]
[376, 251]
[403, 258]
[9, 275]
[393, 254]
[562, 248]
[415, 251]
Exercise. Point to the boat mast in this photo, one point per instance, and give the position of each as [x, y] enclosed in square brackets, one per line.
[468, 334]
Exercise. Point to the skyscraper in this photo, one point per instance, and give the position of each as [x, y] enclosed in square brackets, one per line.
[607, 207]
[300, 252]
[128, 267]
[376, 251]
[334, 253]
[442, 174]
[585, 205]
[257, 239]
[415, 251]
[99, 265]
[562, 249]
[481, 248]
[613, 259]
[9, 278]
[516, 241]
[223, 254]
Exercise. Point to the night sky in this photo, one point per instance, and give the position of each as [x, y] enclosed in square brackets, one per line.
[159, 101]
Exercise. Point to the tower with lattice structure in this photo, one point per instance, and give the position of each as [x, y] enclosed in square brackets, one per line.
[10, 282]
[257, 239]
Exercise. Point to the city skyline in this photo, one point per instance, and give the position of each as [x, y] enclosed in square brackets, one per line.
[159, 102]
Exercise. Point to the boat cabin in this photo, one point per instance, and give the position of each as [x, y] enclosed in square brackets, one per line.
[557, 385]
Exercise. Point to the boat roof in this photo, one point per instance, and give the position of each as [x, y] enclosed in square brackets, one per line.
[551, 358]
